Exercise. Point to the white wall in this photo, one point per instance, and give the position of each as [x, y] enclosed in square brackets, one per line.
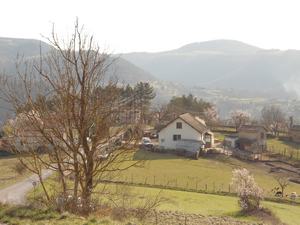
[187, 132]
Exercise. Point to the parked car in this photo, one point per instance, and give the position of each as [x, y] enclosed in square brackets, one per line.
[146, 143]
[154, 136]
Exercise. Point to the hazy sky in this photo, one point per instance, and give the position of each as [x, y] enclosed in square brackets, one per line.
[156, 25]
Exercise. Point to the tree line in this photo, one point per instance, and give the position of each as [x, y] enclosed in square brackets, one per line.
[272, 117]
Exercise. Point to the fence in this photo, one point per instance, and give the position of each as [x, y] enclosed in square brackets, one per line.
[285, 152]
[190, 186]
[175, 184]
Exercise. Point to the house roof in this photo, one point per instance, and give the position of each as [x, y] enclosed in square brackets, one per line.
[196, 124]
[251, 128]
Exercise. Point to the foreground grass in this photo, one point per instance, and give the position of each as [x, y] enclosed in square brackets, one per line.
[212, 174]
[187, 202]
[8, 175]
[30, 216]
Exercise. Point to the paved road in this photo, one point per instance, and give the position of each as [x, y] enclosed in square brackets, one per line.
[16, 194]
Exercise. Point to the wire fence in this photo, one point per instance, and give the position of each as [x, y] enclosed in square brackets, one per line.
[190, 185]
[285, 152]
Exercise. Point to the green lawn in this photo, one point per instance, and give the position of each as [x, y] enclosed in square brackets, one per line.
[211, 174]
[183, 172]
[219, 136]
[215, 205]
[187, 202]
[286, 148]
[8, 175]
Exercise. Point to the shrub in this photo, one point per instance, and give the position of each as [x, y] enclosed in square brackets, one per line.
[19, 168]
[249, 192]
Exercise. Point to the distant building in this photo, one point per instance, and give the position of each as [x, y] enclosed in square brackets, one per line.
[252, 138]
[231, 141]
[294, 133]
[185, 132]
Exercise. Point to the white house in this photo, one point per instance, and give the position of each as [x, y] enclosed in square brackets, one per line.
[186, 131]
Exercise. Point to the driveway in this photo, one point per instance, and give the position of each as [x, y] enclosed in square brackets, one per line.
[16, 194]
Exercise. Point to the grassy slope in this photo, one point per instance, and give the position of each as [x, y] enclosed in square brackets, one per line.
[8, 176]
[287, 148]
[207, 204]
[204, 204]
[216, 172]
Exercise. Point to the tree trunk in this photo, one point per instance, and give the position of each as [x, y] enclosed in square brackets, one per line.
[43, 186]
[88, 186]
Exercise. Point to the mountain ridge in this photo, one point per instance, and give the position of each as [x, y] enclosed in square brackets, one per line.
[223, 64]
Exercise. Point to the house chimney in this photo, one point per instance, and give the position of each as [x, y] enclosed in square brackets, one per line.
[291, 121]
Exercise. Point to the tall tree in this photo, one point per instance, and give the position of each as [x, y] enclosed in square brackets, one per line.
[273, 118]
[144, 93]
[75, 131]
[190, 103]
[240, 118]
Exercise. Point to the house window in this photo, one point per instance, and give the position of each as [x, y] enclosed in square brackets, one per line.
[176, 137]
[179, 125]
[262, 135]
[162, 140]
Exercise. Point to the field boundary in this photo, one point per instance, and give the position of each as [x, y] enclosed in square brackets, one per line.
[221, 193]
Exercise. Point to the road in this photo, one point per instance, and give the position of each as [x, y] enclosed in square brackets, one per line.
[16, 194]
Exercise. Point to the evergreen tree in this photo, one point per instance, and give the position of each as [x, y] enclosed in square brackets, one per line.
[143, 93]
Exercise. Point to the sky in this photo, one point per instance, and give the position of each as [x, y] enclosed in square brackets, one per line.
[157, 25]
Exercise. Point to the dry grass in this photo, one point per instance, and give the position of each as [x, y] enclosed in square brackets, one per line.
[10, 171]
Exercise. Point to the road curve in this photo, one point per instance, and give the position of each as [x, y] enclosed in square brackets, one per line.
[16, 194]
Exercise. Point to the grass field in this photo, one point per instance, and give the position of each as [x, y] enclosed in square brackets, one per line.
[8, 175]
[214, 205]
[213, 172]
[210, 174]
[285, 148]
[187, 202]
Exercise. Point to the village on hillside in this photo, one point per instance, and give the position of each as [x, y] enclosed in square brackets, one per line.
[207, 133]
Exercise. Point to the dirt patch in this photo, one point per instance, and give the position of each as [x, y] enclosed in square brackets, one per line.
[267, 216]
[180, 218]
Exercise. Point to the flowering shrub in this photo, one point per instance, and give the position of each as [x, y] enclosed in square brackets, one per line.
[249, 192]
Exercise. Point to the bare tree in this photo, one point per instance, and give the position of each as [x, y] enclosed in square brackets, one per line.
[68, 109]
[283, 183]
[240, 118]
[273, 118]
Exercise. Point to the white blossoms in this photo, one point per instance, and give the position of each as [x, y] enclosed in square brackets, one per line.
[248, 191]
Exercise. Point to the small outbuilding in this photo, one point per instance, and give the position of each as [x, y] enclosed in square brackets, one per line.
[231, 141]
[252, 138]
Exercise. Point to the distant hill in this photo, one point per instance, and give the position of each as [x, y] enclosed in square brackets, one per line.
[122, 70]
[10, 48]
[224, 64]
[218, 47]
